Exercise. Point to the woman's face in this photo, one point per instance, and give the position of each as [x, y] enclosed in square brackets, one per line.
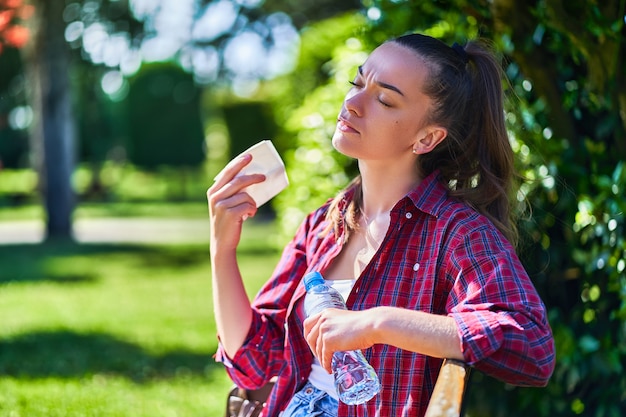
[383, 114]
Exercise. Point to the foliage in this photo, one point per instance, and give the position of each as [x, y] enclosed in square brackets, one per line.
[247, 122]
[12, 32]
[13, 115]
[565, 113]
[197, 35]
[303, 13]
[573, 145]
[124, 182]
[329, 57]
[164, 119]
[100, 126]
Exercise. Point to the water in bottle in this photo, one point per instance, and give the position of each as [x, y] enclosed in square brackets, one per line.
[355, 379]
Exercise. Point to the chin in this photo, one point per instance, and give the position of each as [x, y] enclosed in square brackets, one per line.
[339, 143]
[335, 140]
[345, 146]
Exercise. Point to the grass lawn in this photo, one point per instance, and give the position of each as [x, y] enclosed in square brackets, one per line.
[115, 330]
[188, 209]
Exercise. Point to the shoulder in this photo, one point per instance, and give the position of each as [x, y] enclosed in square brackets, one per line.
[460, 221]
[471, 229]
[459, 225]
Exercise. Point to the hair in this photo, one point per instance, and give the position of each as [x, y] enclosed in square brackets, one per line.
[475, 161]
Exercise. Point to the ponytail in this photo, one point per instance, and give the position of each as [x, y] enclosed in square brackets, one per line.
[482, 169]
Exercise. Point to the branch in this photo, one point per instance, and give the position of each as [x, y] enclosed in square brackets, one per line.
[515, 19]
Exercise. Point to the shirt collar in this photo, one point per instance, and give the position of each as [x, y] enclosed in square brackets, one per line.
[429, 195]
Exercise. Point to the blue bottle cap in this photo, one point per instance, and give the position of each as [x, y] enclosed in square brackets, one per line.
[312, 279]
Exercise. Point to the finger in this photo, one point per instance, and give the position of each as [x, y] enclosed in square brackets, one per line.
[232, 168]
[235, 183]
[308, 324]
[241, 182]
[221, 191]
[321, 351]
[239, 206]
[310, 333]
[326, 359]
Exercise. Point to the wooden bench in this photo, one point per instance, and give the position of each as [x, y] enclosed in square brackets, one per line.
[447, 397]
[446, 400]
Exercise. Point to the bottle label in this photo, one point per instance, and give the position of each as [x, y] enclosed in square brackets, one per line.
[314, 305]
[332, 303]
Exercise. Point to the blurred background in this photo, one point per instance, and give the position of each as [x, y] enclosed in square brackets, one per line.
[115, 115]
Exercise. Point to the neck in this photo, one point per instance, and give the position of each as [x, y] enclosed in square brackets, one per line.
[383, 188]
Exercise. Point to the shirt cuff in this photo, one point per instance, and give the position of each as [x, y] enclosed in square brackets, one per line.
[253, 340]
[481, 335]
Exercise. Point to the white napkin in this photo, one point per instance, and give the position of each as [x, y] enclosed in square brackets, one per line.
[267, 161]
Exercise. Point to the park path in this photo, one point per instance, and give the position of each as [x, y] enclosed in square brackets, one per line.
[114, 230]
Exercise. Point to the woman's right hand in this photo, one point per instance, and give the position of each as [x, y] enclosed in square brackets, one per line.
[229, 206]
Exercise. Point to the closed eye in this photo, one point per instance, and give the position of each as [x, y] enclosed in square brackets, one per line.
[383, 103]
[357, 85]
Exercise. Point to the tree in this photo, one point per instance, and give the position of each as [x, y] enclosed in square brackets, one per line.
[54, 129]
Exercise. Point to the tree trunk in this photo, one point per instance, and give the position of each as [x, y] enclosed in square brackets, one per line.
[54, 131]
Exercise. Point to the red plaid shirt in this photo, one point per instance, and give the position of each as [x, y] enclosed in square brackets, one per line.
[438, 256]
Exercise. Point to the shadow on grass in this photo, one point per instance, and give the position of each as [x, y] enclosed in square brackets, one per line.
[71, 355]
[32, 263]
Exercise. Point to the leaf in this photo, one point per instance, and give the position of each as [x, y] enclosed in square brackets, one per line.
[617, 173]
[588, 344]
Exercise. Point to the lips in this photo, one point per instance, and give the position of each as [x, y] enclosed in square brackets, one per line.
[345, 126]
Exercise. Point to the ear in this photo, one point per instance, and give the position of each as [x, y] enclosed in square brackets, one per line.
[428, 139]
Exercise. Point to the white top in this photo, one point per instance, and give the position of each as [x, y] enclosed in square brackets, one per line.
[319, 378]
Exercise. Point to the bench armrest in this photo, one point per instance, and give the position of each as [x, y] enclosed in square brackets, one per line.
[447, 397]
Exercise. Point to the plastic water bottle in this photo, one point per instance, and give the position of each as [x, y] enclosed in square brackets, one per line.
[355, 379]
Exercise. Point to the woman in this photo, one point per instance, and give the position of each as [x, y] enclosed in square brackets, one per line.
[420, 241]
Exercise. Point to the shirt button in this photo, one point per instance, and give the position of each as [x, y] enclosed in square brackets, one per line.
[416, 267]
[408, 215]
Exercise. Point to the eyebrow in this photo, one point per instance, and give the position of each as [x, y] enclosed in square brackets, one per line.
[382, 84]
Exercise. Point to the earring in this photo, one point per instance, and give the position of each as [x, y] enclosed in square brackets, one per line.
[414, 151]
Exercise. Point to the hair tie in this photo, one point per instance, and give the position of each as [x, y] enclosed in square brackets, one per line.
[461, 51]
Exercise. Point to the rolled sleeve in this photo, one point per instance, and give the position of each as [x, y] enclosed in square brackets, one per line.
[500, 317]
[252, 363]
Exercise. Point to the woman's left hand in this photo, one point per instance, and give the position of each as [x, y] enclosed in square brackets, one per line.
[335, 330]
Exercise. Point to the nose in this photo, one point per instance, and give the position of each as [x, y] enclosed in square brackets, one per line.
[352, 102]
